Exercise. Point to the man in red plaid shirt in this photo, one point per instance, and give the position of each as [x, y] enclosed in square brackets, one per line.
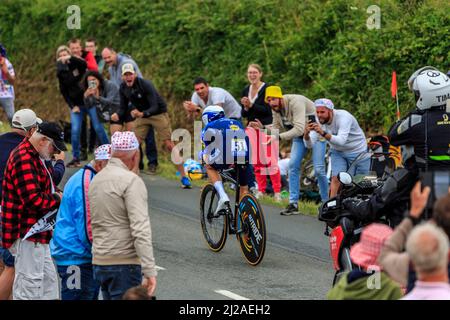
[28, 195]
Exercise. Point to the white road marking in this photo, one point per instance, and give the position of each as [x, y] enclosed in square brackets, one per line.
[159, 268]
[231, 295]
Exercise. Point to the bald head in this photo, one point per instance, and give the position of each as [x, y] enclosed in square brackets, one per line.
[110, 56]
[427, 247]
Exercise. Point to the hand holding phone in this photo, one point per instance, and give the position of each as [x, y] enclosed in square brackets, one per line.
[311, 119]
[92, 84]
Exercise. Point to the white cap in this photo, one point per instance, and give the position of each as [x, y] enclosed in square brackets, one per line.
[124, 141]
[103, 152]
[25, 119]
[128, 67]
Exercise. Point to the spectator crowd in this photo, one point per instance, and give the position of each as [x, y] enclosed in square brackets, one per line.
[95, 235]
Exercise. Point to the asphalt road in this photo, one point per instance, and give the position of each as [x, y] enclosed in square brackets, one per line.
[296, 264]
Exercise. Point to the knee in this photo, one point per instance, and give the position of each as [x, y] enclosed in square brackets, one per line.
[319, 170]
[293, 165]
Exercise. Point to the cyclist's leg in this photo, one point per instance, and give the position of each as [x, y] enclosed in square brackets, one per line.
[243, 179]
[216, 180]
[212, 173]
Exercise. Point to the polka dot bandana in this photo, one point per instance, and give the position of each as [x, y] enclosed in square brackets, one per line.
[103, 152]
[124, 141]
[324, 103]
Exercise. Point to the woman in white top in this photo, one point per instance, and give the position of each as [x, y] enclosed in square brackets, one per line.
[254, 107]
[252, 101]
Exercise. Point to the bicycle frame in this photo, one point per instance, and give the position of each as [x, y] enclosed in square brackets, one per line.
[246, 222]
[225, 174]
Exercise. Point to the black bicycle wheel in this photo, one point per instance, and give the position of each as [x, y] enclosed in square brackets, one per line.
[214, 227]
[251, 229]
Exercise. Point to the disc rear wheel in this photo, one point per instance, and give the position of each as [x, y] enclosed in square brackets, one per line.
[251, 229]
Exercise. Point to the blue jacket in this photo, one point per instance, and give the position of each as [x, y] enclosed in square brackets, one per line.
[72, 236]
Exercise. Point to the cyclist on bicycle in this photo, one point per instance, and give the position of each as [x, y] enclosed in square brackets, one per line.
[226, 146]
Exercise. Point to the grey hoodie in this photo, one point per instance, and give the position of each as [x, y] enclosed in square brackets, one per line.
[115, 72]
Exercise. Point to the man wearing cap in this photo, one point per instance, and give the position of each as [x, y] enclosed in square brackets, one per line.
[291, 113]
[368, 282]
[115, 62]
[24, 123]
[122, 250]
[345, 137]
[72, 239]
[29, 194]
[7, 79]
[150, 110]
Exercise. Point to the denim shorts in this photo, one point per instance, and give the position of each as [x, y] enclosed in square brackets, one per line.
[353, 163]
[7, 257]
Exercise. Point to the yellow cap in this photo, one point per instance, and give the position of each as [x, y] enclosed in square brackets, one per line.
[273, 92]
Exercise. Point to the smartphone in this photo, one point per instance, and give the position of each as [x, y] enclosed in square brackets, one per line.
[92, 84]
[439, 182]
[311, 119]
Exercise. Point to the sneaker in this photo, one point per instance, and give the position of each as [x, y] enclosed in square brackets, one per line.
[258, 195]
[291, 209]
[254, 191]
[185, 183]
[75, 163]
[151, 169]
[277, 197]
[223, 204]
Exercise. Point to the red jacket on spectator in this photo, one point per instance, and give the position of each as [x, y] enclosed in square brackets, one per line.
[90, 60]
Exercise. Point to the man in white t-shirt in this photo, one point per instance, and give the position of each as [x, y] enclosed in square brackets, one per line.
[7, 78]
[348, 146]
[205, 96]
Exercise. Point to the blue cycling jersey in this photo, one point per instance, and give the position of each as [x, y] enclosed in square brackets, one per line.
[225, 143]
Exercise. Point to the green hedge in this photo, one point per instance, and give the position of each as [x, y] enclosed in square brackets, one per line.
[311, 47]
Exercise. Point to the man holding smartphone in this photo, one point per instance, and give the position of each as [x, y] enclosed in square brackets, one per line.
[346, 139]
[291, 113]
[7, 78]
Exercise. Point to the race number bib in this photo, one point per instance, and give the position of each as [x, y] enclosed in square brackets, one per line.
[238, 147]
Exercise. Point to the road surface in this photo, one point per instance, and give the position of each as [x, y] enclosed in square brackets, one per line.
[296, 264]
